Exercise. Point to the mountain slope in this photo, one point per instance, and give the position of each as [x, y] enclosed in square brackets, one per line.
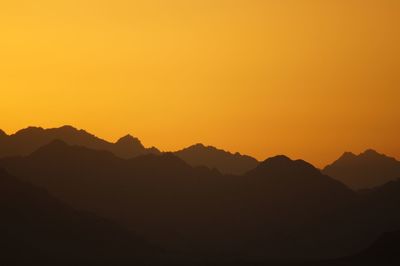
[283, 208]
[366, 170]
[37, 227]
[225, 162]
[30, 139]
[384, 251]
[305, 207]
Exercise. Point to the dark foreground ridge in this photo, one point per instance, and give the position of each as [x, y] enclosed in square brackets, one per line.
[36, 227]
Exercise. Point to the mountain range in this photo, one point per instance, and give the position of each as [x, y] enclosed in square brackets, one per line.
[198, 210]
[63, 195]
[30, 139]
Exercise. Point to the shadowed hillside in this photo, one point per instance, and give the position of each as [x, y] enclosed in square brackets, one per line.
[37, 227]
[366, 170]
[384, 251]
[281, 209]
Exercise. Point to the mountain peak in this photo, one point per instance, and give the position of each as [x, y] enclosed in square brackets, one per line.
[198, 145]
[348, 155]
[29, 130]
[2, 133]
[215, 158]
[365, 170]
[279, 159]
[283, 165]
[67, 128]
[370, 152]
[129, 140]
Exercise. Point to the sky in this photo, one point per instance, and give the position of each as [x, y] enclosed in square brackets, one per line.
[306, 78]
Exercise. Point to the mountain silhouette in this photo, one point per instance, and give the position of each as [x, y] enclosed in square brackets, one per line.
[30, 139]
[280, 209]
[366, 170]
[35, 226]
[225, 162]
[197, 202]
[304, 205]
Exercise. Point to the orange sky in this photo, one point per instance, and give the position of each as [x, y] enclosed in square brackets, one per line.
[309, 78]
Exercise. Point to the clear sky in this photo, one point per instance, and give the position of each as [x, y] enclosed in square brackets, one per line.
[305, 78]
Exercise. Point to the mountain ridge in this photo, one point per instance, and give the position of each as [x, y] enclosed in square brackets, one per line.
[185, 208]
[365, 170]
[212, 157]
[27, 140]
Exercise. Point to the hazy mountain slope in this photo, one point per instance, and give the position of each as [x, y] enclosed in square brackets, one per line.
[366, 170]
[36, 226]
[30, 139]
[225, 162]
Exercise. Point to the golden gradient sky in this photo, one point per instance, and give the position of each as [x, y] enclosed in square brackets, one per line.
[305, 78]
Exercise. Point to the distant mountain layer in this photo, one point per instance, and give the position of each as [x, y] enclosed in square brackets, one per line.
[30, 139]
[37, 227]
[366, 170]
[225, 162]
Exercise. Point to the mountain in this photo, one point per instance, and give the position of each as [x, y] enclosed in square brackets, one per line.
[384, 251]
[35, 226]
[366, 170]
[305, 208]
[2, 134]
[281, 209]
[213, 158]
[153, 194]
[30, 139]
